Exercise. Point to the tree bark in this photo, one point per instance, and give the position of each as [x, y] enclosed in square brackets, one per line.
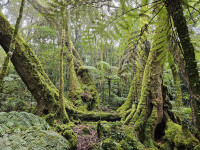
[175, 10]
[64, 115]
[89, 93]
[139, 66]
[30, 70]
[6, 62]
[150, 110]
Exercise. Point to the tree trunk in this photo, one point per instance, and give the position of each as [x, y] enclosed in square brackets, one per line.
[64, 115]
[175, 10]
[149, 112]
[139, 66]
[124, 110]
[6, 62]
[30, 70]
[177, 82]
[86, 89]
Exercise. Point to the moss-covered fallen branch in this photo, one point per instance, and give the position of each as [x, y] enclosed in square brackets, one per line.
[95, 116]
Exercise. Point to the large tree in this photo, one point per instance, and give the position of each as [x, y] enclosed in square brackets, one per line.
[81, 84]
[175, 10]
[151, 117]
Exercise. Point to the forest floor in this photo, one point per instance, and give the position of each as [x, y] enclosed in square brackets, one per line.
[86, 140]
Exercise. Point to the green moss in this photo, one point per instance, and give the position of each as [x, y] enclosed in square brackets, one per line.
[166, 146]
[90, 94]
[85, 131]
[110, 144]
[125, 145]
[131, 137]
[103, 129]
[62, 128]
[95, 116]
[119, 133]
[130, 116]
[71, 137]
[129, 101]
[94, 146]
[66, 131]
[78, 103]
[50, 119]
[150, 129]
[179, 138]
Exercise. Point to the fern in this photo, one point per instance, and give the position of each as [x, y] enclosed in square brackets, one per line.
[90, 68]
[21, 130]
[160, 41]
[105, 64]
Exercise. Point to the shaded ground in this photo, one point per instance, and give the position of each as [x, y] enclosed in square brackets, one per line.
[86, 141]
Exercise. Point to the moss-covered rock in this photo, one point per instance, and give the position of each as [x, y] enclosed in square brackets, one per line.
[50, 119]
[110, 144]
[85, 131]
[117, 132]
[66, 131]
[71, 137]
[125, 145]
[21, 130]
[178, 138]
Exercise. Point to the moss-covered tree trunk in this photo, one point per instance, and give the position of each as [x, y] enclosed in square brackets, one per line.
[142, 54]
[125, 109]
[30, 70]
[4, 69]
[75, 89]
[64, 115]
[81, 84]
[150, 110]
[143, 49]
[175, 72]
[175, 10]
[151, 118]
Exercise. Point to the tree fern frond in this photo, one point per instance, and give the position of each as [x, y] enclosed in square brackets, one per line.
[105, 64]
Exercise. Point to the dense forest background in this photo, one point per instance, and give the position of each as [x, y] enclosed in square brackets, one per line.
[100, 74]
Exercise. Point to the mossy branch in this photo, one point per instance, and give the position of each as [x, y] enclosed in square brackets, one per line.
[12, 46]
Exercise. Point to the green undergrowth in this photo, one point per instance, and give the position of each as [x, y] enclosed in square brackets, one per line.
[85, 131]
[117, 136]
[66, 131]
[15, 96]
[21, 130]
[183, 114]
[179, 137]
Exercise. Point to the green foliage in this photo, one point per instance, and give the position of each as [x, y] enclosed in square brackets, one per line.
[113, 100]
[116, 135]
[110, 144]
[179, 138]
[85, 131]
[66, 131]
[105, 64]
[27, 131]
[15, 96]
